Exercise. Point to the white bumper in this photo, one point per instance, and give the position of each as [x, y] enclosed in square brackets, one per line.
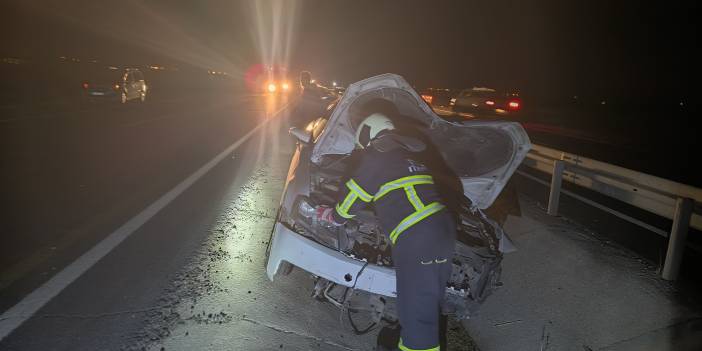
[329, 264]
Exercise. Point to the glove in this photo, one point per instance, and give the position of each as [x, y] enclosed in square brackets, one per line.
[324, 215]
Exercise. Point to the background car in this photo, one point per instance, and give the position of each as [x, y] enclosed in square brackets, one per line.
[486, 101]
[113, 83]
[436, 96]
[276, 80]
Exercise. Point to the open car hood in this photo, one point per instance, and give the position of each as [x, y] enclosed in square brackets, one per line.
[484, 154]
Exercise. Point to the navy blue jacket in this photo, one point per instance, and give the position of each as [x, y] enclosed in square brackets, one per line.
[398, 185]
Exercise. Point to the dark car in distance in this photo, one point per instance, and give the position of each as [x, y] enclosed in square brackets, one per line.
[116, 84]
[481, 100]
[436, 96]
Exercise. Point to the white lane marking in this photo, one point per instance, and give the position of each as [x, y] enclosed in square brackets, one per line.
[30, 304]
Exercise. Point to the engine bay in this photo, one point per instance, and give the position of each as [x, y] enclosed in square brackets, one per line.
[475, 265]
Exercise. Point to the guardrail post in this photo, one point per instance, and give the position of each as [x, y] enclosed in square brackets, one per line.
[556, 181]
[676, 240]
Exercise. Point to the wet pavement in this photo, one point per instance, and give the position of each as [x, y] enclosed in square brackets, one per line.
[193, 278]
[226, 300]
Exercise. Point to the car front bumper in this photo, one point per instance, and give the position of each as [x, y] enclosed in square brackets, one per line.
[327, 263]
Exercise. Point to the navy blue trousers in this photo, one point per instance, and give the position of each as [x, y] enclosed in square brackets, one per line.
[422, 257]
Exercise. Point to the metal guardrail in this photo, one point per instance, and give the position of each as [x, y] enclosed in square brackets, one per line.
[679, 202]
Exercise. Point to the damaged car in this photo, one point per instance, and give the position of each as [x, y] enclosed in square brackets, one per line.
[354, 262]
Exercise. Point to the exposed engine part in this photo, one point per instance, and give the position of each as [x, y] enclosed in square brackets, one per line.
[476, 262]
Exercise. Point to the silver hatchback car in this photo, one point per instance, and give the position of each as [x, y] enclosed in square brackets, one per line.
[353, 262]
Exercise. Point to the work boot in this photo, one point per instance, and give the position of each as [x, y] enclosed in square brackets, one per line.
[388, 338]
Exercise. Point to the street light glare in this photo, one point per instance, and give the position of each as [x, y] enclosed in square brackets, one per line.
[274, 33]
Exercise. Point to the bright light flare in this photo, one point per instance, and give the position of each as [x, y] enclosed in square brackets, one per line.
[285, 86]
[490, 103]
[274, 32]
[271, 88]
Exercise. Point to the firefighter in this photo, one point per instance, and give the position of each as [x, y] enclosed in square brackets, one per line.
[406, 200]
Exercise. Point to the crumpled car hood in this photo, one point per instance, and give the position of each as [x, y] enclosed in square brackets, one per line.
[484, 154]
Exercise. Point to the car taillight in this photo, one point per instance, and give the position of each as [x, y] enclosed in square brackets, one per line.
[514, 105]
[490, 103]
[427, 98]
[86, 85]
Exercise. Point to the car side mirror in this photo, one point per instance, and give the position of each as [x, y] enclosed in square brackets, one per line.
[301, 135]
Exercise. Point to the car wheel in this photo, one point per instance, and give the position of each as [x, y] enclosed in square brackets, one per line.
[123, 98]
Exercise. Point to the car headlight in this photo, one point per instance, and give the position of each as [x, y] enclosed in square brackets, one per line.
[306, 210]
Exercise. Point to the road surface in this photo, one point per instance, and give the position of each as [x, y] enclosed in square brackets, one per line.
[144, 227]
[188, 276]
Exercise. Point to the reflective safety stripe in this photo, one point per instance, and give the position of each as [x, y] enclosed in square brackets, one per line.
[421, 211]
[343, 208]
[408, 183]
[405, 348]
[355, 192]
[414, 198]
[403, 182]
[415, 218]
[362, 194]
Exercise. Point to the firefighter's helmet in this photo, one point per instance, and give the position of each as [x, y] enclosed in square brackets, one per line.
[371, 127]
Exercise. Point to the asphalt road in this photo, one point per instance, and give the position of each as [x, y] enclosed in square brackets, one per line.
[73, 174]
[188, 277]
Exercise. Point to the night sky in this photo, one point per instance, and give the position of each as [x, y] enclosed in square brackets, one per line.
[597, 48]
